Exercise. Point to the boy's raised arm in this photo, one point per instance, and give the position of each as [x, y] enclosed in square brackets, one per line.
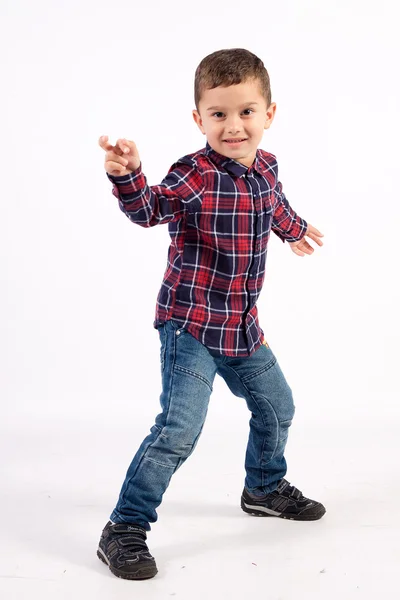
[149, 205]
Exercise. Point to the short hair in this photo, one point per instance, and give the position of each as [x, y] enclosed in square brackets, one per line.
[230, 67]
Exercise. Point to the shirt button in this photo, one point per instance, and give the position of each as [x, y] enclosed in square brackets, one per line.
[178, 332]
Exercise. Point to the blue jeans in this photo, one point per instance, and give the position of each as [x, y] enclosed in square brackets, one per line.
[188, 369]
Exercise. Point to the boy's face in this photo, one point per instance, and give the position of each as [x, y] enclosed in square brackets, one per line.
[234, 118]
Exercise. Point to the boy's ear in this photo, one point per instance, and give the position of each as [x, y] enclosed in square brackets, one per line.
[270, 114]
[198, 120]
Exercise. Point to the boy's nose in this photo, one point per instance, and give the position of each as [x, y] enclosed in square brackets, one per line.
[233, 130]
[234, 127]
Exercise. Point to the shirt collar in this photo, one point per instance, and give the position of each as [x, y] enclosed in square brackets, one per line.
[233, 166]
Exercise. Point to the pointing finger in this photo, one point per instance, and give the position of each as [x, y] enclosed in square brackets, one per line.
[104, 143]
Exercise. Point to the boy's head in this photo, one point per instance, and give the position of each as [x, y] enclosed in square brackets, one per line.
[233, 102]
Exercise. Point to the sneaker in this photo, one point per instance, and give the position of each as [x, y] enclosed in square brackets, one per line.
[123, 548]
[286, 502]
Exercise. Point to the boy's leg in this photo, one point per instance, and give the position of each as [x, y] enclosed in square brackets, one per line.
[259, 380]
[188, 372]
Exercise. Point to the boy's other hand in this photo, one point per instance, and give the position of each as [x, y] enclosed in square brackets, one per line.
[121, 159]
[302, 247]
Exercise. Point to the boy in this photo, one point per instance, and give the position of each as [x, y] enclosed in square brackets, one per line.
[221, 204]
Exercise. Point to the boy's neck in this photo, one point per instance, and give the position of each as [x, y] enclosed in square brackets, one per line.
[224, 157]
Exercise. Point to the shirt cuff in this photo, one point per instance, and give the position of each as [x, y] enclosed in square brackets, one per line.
[297, 231]
[125, 178]
[124, 186]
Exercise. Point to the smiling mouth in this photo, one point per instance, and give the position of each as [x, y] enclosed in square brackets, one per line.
[234, 141]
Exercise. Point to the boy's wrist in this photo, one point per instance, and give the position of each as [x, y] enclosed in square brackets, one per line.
[126, 177]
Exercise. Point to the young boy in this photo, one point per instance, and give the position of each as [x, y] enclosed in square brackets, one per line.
[221, 204]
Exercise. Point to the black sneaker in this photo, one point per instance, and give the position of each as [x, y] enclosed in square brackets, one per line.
[286, 502]
[123, 548]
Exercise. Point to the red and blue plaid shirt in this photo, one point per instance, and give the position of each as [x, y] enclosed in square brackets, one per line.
[220, 214]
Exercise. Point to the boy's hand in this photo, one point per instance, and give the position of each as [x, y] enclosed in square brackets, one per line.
[302, 247]
[121, 159]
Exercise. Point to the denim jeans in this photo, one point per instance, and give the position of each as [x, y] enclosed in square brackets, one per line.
[188, 369]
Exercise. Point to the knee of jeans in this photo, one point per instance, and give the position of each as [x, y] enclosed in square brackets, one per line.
[287, 406]
[284, 430]
[286, 418]
[179, 442]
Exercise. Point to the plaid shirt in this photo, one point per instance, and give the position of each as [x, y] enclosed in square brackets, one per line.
[220, 214]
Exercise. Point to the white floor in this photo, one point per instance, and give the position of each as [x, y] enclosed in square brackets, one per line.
[60, 480]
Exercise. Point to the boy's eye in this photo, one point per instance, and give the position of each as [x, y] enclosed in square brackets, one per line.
[246, 112]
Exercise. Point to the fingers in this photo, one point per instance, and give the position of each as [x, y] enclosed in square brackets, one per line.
[315, 235]
[314, 230]
[306, 247]
[315, 239]
[104, 143]
[123, 145]
[297, 251]
[114, 162]
[112, 156]
[114, 168]
[126, 146]
[121, 158]
[303, 248]
[120, 147]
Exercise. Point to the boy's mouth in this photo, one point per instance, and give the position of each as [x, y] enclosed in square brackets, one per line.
[234, 141]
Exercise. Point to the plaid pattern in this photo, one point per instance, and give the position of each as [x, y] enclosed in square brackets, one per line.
[220, 214]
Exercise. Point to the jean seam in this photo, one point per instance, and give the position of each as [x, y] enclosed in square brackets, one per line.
[158, 463]
[171, 377]
[193, 374]
[266, 367]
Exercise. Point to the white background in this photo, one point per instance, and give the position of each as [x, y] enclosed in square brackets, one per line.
[79, 356]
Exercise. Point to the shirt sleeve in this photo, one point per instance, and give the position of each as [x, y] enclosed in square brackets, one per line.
[154, 205]
[286, 224]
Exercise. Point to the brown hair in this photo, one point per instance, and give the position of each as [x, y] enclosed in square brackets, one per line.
[230, 67]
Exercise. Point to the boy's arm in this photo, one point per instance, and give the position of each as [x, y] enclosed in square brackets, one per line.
[153, 205]
[286, 224]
